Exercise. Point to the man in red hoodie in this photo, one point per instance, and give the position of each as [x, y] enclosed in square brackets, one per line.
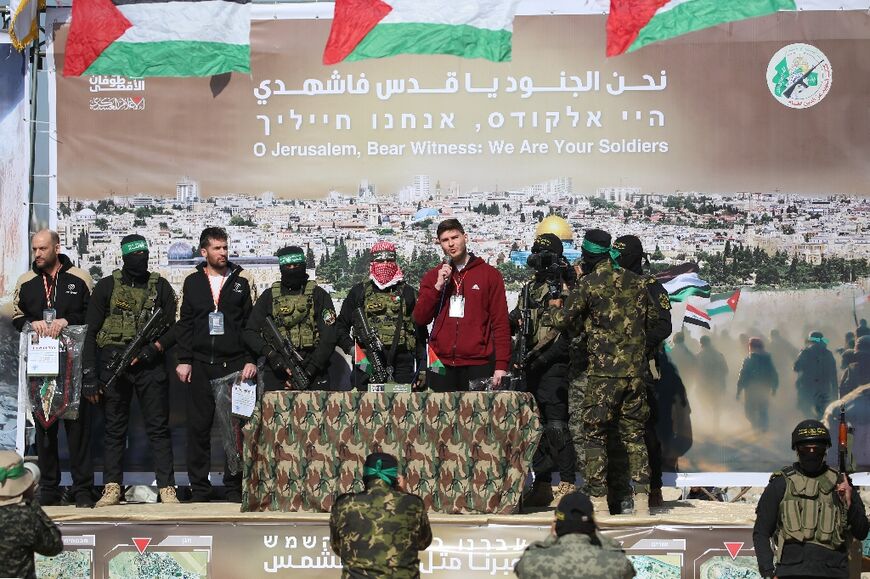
[466, 299]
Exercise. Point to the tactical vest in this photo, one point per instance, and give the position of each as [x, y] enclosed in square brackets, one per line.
[809, 513]
[382, 311]
[294, 315]
[542, 327]
[127, 311]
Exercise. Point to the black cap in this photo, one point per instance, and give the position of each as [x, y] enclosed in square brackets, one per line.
[574, 514]
[810, 431]
[291, 255]
[548, 242]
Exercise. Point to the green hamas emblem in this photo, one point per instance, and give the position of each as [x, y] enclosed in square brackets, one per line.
[291, 259]
[785, 76]
[134, 246]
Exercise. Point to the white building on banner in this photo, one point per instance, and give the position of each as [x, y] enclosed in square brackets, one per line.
[186, 191]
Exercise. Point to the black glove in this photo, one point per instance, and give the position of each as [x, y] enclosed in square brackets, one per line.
[276, 362]
[148, 353]
[91, 385]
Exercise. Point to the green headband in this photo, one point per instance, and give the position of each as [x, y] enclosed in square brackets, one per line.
[291, 259]
[818, 340]
[595, 249]
[13, 472]
[385, 255]
[133, 246]
[388, 475]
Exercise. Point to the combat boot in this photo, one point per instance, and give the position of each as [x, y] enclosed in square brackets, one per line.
[655, 498]
[599, 505]
[167, 496]
[562, 489]
[641, 504]
[540, 495]
[111, 496]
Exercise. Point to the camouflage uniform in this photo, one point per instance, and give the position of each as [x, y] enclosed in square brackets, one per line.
[26, 530]
[618, 463]
[613, 308]
[379, 532]
[574, 556]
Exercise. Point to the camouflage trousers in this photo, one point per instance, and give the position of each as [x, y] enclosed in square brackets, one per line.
[614, 408]
[576, 395]
[618, 480]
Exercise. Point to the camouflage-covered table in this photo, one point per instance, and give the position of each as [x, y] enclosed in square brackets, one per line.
[462, 452]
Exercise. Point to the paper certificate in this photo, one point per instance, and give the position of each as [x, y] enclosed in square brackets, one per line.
[43, 355]
[244, 399]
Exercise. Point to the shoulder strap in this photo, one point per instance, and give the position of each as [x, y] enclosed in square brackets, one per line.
[400, 321]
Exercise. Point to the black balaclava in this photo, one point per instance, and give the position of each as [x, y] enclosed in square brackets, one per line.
[547, 242]
[630, 253]
[811, 458]
[811, 439]
[598, 237]
[291, 261]
[134, 253]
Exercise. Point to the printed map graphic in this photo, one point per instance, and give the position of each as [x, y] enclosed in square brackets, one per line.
[67, 565]
[722, 567]
[166, 564]
[656, 566]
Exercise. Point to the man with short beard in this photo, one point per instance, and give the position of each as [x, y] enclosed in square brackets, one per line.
[120, 306]
[216, 302]
[304, 313]
[52, 295]
[387, 302]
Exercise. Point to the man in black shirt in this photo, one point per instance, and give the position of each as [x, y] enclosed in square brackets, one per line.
[387, 302]
[810, 512]
[119, 307]
[55, 290]
[216, 302]
[304, 313]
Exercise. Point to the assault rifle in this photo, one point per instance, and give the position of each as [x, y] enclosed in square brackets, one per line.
[121, 359]
[291, 358]
[521, 352]
[373, 346]
[843, 444]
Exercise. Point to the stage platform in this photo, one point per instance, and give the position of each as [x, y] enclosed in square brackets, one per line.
[686, 538]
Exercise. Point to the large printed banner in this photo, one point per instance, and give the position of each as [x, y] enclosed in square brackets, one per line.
[458, 550]
[14, 207]
[742, 148]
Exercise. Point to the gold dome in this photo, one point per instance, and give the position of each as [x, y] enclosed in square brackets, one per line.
[556, 225]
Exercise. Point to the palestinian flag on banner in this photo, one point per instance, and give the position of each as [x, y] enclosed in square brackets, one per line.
[633, 24]
[435, 364]
[686, 285]
[667, 275]
[142, 38]
[696, 317]
[723, 303]
[374, 29]
[361, 359]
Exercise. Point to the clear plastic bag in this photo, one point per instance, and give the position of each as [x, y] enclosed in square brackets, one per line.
[485, 384]
[229, 425]
[56, 397]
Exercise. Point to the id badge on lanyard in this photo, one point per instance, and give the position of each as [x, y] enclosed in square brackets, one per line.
[49, 314]
[216, 323]
[457, 307]
[216, 318]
